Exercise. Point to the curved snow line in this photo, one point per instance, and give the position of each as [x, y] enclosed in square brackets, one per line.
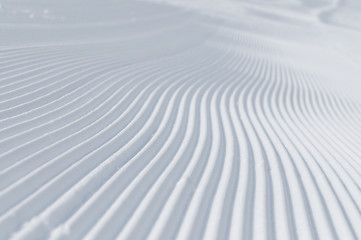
[216, 120]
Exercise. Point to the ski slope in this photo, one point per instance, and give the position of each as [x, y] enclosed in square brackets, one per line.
[167, 119]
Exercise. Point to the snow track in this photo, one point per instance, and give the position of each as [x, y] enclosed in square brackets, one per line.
[179, 120]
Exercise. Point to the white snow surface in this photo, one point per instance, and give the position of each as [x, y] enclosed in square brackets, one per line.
[171, 119]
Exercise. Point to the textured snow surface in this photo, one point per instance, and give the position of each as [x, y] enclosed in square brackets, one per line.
[203, 119]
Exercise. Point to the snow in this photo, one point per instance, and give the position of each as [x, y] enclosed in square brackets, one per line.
[168, 119]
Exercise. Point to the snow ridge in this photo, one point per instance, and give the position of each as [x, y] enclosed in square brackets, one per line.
[179, 120]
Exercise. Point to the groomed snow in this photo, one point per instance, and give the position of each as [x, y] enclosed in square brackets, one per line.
[166, 119]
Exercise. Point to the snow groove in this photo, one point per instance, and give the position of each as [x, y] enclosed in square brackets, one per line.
[178, 120]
